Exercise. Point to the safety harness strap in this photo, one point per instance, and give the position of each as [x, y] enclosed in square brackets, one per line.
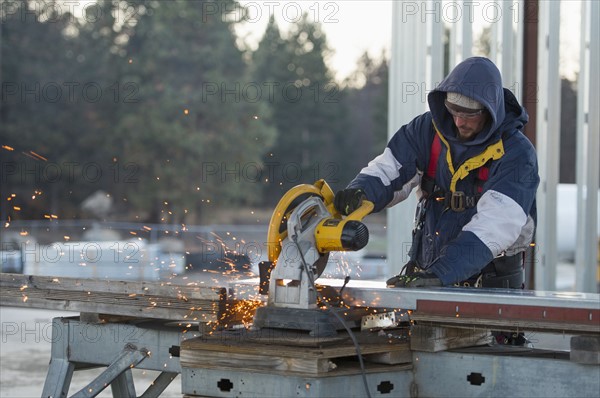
[457, 200]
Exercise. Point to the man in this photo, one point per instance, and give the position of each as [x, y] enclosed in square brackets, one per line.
[476, 175]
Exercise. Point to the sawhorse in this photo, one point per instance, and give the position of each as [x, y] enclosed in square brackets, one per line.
[78, 344]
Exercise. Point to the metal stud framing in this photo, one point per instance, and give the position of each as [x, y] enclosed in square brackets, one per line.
[588, 131]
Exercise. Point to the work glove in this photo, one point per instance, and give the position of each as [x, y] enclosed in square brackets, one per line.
[418, 279]
[348, 200]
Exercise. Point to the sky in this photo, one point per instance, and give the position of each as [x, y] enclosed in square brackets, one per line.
[351, 26]
[355, 26]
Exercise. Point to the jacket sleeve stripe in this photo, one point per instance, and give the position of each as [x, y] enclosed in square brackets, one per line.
[407, 188]
[498, 221]
[385, 167]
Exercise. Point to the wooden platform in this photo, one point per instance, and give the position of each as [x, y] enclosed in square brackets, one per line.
[289, 352]
[157, 300]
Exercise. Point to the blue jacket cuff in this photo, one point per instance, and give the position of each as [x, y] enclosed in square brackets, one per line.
[462, 258]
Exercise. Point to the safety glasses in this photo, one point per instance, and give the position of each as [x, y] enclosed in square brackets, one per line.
[463, 115]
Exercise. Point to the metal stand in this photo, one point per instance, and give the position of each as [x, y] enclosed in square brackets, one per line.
[77, 345]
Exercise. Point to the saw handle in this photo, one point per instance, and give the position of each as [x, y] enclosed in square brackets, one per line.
[365, 208]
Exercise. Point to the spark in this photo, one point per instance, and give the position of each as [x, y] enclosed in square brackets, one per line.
[8, 148]
[38, 156]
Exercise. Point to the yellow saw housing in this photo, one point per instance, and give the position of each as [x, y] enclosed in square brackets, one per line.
[331, 234]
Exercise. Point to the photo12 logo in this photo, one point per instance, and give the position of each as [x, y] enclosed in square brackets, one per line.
[261, 11]
[457, 11]
[69, 172]
[268, 172]
[68, 11]
[252, 92]
[69, 92]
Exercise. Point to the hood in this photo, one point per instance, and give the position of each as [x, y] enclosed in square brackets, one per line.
[479, 79]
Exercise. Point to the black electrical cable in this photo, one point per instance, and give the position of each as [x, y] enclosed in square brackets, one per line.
[339, 318]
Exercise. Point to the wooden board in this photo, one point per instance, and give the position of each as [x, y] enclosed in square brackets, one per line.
[512, 325]
[156, 300]
[292, 356]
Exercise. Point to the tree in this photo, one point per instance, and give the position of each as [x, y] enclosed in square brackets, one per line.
[35, 129]
[146, 111]
[366, 93]
[191, 135]
[307, 109]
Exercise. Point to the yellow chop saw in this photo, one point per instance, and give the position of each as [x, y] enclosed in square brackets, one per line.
[304, 228]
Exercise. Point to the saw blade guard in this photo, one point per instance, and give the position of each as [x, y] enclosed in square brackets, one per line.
[299, 263]
[305, 227]
[278, 226]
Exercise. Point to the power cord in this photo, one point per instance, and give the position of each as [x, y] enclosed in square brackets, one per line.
[339, 318]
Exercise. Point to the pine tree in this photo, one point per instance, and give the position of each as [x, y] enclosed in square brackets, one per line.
[191, 136]
[307, 109]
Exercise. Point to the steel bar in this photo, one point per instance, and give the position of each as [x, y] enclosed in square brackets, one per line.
[60, 370]
[159, 385]
[376, 294]
[548, 143]
[588, 139]
[538, 309]
[129, 357]
[123, 386]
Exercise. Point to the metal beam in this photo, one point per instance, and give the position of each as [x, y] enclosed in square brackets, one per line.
[548, 143]
[588, 142]
[129, 358]
[435, 30]
[159, 385]
[466, 374]
[507, 52]
[466, 32]
[529, 93]
[375, 294]
[407, 100]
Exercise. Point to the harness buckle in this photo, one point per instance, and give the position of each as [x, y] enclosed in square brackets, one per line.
[457, 201]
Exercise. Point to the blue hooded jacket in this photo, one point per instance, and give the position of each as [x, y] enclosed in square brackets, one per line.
[457, 245]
